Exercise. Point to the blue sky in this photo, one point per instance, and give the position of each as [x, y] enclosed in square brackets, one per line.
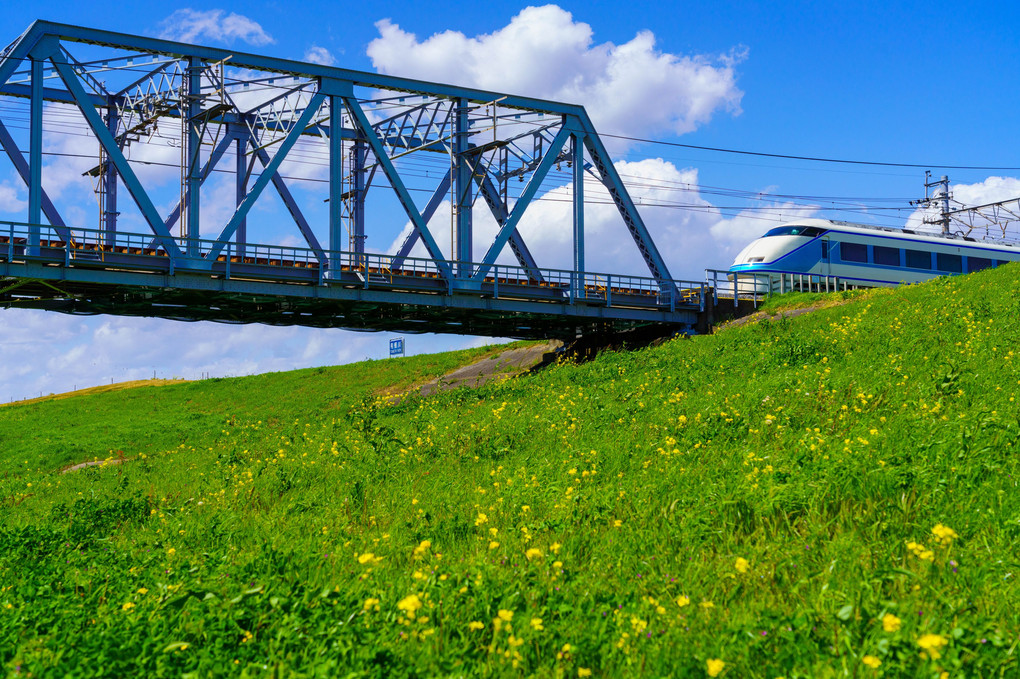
[916, 82]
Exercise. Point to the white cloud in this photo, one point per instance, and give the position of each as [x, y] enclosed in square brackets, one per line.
[9, 201]
[632, 88]
[214, 25]
[319, 55]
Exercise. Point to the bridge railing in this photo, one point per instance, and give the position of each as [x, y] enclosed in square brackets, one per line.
[734, 287]
[96, 247]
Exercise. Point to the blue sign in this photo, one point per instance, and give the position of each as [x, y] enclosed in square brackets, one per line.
[397, 346]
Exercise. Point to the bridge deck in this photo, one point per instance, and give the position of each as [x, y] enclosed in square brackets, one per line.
[133, 275]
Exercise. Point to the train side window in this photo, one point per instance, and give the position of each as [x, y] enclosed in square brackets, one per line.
[825, 250]
[950, 263]
[887, 256]
[918, 259]
[853, 252]
[978, 263]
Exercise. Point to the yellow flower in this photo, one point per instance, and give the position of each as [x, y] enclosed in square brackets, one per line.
[410, 604]
[525, 508]
[932, 645]
[482, 518]
[741, 564]
[583, 672]
[171, 551]
[707, 605]
[533, 553]
[368, 558]
[944, 534]
[890, 623]
[555, 548]
[714, 666]
[871, 661]
[505, 615]
[422, 548]
[127, 607]
[475, 625]
[617, 523]
[142, 590]
[536, 624]
[682, 601]
[493, 545]
[371, 603]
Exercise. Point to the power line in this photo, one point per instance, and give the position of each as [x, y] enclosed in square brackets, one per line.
[809, 158]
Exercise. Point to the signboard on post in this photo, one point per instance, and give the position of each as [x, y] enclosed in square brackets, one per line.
[397, 346]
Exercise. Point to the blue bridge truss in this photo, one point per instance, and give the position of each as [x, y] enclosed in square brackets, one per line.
[370, 130]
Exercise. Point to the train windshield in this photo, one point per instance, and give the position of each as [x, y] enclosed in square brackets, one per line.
[806, 231]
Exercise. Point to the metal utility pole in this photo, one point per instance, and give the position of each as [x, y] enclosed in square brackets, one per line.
[942, 195]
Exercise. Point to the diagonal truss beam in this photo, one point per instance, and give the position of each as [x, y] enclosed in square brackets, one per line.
[614, 185]
[18, 159]
[426, 214]
[510, 225]
[267, 174]
[365, 127]
[16, 54]
[288, 200]
[114, 153]
[517, 245]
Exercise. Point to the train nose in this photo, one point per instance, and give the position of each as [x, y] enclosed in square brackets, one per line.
[753, 253]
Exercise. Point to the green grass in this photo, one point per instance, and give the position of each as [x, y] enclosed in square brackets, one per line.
[794, 498]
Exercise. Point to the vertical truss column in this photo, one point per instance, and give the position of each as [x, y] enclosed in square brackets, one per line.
[35, 157]
[577, 159]
[462, 190]
[241, 185]
[359, 156]
[336, 181]
[109, 179]
[193, 155]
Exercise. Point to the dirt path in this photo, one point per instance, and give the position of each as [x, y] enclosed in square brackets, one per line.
[498, 366]
[93, 463]
[782, 313]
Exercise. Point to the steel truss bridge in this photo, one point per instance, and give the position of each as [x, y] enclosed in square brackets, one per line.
[369, 129]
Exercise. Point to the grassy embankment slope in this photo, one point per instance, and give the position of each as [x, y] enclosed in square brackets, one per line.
[832, 495]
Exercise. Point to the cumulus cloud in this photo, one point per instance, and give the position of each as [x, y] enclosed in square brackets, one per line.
[319, 55]
[633, 88]
[213, 25]
[9, 200]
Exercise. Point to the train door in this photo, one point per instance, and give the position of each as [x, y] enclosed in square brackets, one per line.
[826, 256]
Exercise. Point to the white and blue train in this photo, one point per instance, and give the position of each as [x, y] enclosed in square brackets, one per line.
[861, 255]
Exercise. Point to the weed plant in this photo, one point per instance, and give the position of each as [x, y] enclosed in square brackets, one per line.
[831, 495]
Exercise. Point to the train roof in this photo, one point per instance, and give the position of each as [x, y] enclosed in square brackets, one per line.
[867, 229]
